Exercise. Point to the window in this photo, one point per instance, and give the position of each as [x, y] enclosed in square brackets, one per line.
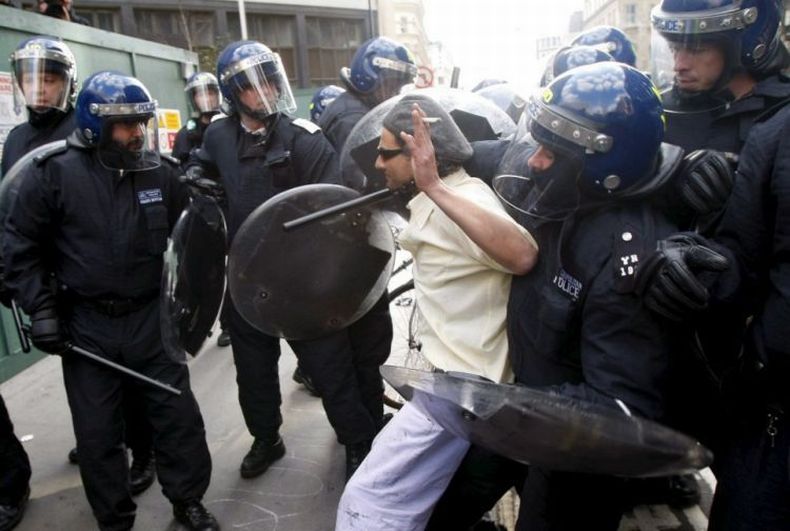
[630, 13]
[185, 29]
[105, 19]
[275, 31]
[331, 43]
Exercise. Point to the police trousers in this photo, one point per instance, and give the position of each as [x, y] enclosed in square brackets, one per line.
[96, 395]
[14, 463]
[348, 379]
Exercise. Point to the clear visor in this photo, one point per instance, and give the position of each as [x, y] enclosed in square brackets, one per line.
[130, 143]
[205, 98]
[549, 196]
[260, 86]
[42, 83]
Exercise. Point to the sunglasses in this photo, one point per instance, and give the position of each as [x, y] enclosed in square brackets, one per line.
[387, 154]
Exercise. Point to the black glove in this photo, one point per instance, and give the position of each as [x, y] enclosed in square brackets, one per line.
[672, 280]
[706, 180]
[198, 183]
[6, 295]
[47, 333]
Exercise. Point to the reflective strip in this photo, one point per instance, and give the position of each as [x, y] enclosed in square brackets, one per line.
[42, 53]
[694, 23]
[247, 63]
[398, 66]
[571, 131]
[123, 109]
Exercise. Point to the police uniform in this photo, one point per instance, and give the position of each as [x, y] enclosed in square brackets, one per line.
[252, 169]
[39, 130]
[188, 138]
[101, 233]
[341, 116]
[752, 465]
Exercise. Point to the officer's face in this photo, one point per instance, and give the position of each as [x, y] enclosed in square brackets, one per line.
[541, 160]
[697, 67]
[258, 98]
[129, 135]
[393, 161]
[43, 90]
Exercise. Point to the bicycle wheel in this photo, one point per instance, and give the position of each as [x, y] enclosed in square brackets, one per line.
[406, 345]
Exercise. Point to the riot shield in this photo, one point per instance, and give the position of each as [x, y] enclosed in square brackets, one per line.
[546, 429]
[477, 117]
[12, 180]
[193, 277]
[312, 280]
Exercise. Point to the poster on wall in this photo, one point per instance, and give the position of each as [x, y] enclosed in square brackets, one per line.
[169, 124]
[10, 115]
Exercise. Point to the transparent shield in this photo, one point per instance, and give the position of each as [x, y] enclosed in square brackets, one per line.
[544, 199]
[193, 278]
[548, 429]
[42, 83]
[312, 280]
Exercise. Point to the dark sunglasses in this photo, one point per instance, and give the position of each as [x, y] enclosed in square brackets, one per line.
[387, 154]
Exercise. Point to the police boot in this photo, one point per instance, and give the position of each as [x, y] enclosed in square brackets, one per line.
[192, 515]
[223, 340]
[11, 514]
[263, 453]
[355, 454]
[142, 473]
[301, 378]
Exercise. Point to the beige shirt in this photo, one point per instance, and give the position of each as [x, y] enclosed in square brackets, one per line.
[461, 292]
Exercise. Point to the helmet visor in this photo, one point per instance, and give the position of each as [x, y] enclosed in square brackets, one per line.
[129, 143]
[42, 82]
[260, 86]
[205, 98]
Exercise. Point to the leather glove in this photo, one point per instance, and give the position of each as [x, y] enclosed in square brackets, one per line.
[671, 280]
[198, 183]
[47, 333]
[706, 180]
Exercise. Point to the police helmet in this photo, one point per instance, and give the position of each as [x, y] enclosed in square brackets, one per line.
[608, 118]
[203, 91]
[380, 67]
[570, 57]
[108, 98]
[31, 63]
[747, 31]
[610, 40]
[323, 97]
[253, 81]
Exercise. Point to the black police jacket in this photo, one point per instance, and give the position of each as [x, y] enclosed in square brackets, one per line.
[101, 232]
[26, 137]
[755, 229]
[341, 116]
[254, 168]
[725, 128]
[188, 138]
[575, 323]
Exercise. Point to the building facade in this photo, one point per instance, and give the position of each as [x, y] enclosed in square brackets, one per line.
[631, 16]
[402, 20]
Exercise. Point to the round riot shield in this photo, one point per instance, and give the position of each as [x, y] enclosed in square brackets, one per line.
[193, 278]
[477, 117]
[306, 282]
[547, 429]
[12, 180]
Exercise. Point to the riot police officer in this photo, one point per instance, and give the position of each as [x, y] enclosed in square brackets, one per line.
[203, 91]
[44, 75]
[379, 69]
[321, 100]
[610, 40]
[257, 152]
[95, 216]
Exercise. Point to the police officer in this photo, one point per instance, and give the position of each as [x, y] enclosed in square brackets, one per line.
[610, 40]
[256, 153]
[321, 100]
[96, 216]
[45, 78]
[379, 69]
[44, 75]
[203, 92]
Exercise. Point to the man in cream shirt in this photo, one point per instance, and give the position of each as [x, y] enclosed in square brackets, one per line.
[465, 250]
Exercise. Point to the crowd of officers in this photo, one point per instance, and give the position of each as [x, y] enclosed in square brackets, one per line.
[661, 282]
